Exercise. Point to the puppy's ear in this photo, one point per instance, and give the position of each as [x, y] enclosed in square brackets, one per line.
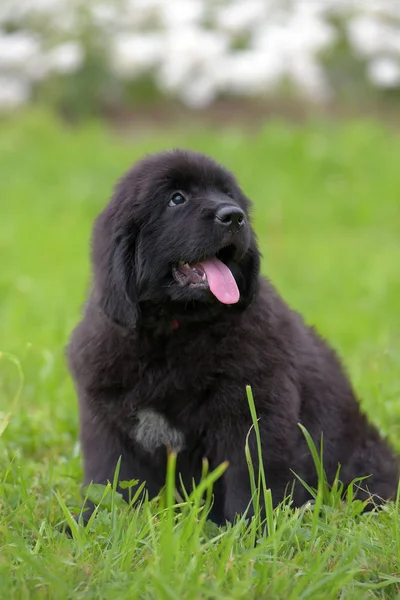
[250, 270]
[114, 272]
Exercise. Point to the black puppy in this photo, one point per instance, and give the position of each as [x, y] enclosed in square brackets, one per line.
[178, 322]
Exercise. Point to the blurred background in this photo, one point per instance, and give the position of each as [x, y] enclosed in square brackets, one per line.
[300, 98]
[121, 57]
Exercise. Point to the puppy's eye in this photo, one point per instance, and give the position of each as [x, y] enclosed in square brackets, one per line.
[176, 198]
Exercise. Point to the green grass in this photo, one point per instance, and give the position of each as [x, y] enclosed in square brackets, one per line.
[327, 213]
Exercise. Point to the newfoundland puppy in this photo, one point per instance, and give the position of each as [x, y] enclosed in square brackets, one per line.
[178, 322]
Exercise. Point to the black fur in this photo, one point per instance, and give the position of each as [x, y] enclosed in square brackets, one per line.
[146, 342]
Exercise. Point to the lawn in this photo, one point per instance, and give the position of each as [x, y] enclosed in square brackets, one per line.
[327, 213]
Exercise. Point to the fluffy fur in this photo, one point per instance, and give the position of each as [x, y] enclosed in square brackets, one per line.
[159, 364]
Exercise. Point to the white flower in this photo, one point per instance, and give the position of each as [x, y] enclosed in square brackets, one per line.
[163, 13]
[16, 49]
[250, 72]
[292, 43]
[61, 16]
[303, 32]
[198, 93]
[240, 16]
[188, 56]
[20, 53]
[189, 46]
[385, 8]
[369, 36]
[106, 15]
[384, 72]
[11, 10]
[13, 92]
[65, 58]
[310, 79]
[131, 54]
[181, 13]
[17, 10]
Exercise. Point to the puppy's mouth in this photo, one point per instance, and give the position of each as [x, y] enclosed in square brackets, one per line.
[211, 274]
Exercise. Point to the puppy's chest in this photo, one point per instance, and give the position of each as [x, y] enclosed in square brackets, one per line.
[178, 371]
[167, 415]
[166, 389]
[152, 431]
[171, 393]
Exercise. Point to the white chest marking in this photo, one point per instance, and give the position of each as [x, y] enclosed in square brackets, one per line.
[153, 431]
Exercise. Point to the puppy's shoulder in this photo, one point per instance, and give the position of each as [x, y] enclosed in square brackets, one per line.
[284, 330]
[272, 317]
[99, 350]
[292, 339]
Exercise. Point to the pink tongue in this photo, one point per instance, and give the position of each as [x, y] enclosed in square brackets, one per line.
[221, 281]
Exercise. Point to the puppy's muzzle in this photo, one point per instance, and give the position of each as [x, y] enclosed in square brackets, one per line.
[230, 217]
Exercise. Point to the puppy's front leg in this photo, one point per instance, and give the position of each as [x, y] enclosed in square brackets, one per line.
[102, 447]
[238, 495]
[281, 441]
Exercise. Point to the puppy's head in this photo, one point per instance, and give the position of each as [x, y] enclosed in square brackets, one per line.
[176, 234]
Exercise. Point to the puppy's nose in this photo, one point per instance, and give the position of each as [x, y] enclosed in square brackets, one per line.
[231, 217]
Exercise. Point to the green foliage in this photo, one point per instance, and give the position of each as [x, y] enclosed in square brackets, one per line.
[327, 214]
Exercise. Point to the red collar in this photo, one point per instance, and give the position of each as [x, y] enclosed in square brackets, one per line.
[175, 323]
